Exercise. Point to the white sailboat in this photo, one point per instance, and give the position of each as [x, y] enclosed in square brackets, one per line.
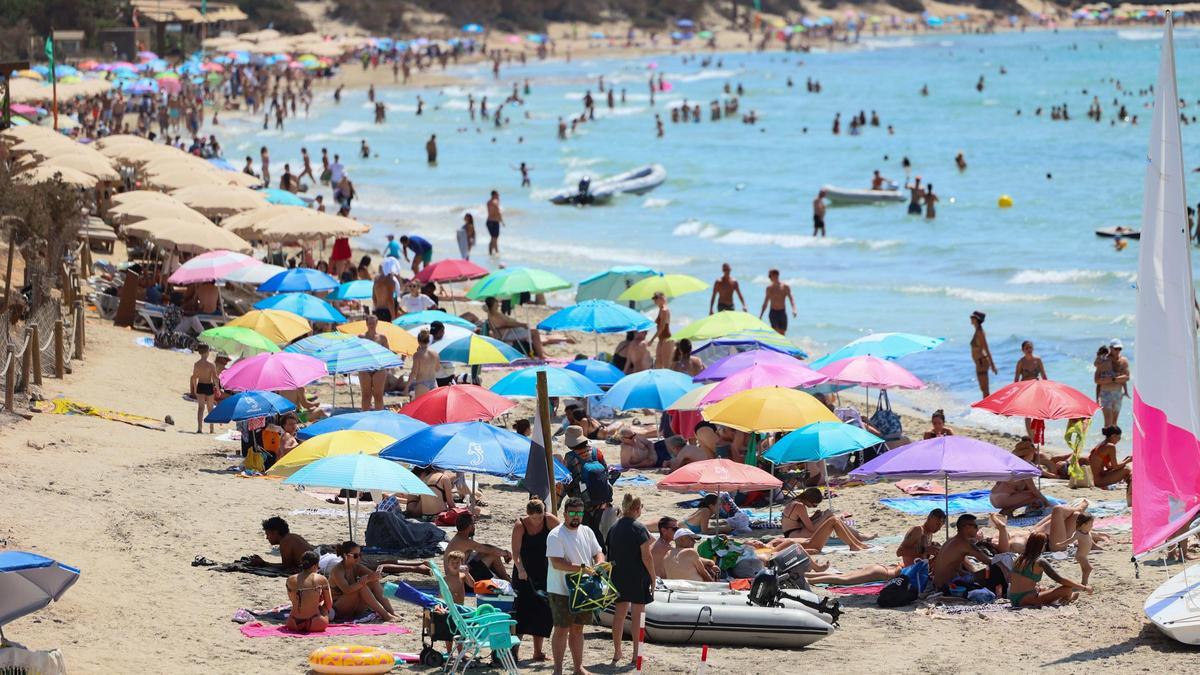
[1166, 382]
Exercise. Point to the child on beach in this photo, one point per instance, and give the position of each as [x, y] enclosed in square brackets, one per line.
[457, 576]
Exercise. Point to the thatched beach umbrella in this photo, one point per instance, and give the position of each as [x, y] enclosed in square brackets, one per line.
[219, 201]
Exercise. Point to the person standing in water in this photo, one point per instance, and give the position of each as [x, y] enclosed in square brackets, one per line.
[724, 288]
[494, 221]
[819, 214]
[431, 149]
[777, 295]
[981, 354]
[466, 236]
[930, 201]
[916, 194]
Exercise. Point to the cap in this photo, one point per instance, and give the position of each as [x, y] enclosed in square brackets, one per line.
[1115, 344]
[682, 533]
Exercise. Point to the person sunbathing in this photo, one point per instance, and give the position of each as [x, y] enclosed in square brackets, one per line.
[636, 451]
[312, 601]
[1024, 589]
[291, 546]
[1060, 528]
[700, 522]
[862, 575]
[682, 455]
[796, 520]
[356, 587]
[1010, 495]
[684, 562]
[918, 541]
[427, 507]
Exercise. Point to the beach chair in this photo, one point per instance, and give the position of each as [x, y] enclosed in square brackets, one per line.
[476, 629]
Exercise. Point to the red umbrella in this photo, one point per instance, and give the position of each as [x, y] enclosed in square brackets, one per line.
[451, 269]
[458, 403]
[713, 475]
[1039, 400]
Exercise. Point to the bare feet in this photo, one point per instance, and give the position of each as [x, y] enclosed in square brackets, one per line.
[999, 520]
[538, 656]
[859, 547]
[817, 566]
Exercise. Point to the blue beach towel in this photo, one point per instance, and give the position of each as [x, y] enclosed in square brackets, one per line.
[633, 480]
[975, 501]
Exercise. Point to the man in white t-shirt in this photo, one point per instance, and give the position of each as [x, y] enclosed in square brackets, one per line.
[570, 548]
[415, 300]
[336, 170]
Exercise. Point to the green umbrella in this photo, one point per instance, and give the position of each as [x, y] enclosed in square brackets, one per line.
[514, 281]
[720, 325]
[237, 342]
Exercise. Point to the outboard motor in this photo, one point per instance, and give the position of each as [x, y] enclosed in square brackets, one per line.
[788, 566]
[764, 590]
[791, 564]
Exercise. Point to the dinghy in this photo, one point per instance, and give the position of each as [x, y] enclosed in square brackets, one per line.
[1172, 607]
[849, 196]
[637, 182]
[1118, 231]
[736, 625]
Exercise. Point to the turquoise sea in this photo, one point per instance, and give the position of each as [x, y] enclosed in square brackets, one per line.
[742, 193]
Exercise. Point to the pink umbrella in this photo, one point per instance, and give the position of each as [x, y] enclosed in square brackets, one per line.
[22, 109]
[210, 267]
[211, 67]
[765, 375]
[169, 85]
[871, 372]
[276, 371]
[451, 269]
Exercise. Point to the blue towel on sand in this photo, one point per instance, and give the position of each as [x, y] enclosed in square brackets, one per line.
[976, 501]
[635, 479]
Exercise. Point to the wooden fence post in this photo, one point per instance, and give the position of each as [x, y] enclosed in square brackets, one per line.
[9, 382]
[79, 329]
[37, 353]
[25, 365]
[59, 348]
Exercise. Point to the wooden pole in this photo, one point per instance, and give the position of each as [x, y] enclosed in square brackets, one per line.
[37, 353]
[60, 370]
[25, 365]
[543, 410]
[9, 381]
[12, 238]
[78, 313]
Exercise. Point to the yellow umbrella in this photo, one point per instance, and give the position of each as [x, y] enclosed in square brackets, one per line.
[276, 325]
[721, 324]
[669, 285]
[331, 444]
[691, 400]
[768, 409]
[399, 340]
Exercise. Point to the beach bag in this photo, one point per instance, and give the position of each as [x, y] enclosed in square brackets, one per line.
[917, 575]
[591, 592]
[897, 593]
[886, 421]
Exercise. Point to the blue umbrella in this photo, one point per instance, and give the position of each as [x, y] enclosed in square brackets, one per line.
[684, 23]
[596, 316]
[352, 290]
[603, 373]
[283, 197]
[560, 382]
[751, 339]
[29, 582]
[650, 389]
[315, 343]
[471, 447]
[428, 316]
[222, 163]
[298, 279]
[889, 346]
[820, 441]
[384, 422]
[472, 28]
[610, 283]
[355, 355]
[359, 472]
[248, 405]
[303, 304]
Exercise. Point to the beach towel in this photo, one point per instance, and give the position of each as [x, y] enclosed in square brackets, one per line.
[872, 588]
[261, 630]
[1113, 525]
[243, 565]
[921, 487]
[66, 406]
[975, 501]
[634, 480]
[1108, 507]
[274, 615]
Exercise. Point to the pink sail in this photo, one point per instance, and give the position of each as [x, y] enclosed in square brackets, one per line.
[1166, 384]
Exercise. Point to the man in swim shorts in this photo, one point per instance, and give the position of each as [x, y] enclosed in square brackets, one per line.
[777, 295]
[724, 288]
[421, 249]
[819, 214]
[204, 387]
[494, 221]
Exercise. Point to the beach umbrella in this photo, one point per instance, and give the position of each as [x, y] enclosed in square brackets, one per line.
[670, 285]
[471, 447]
[691, 400]
[428, 316]
[714, 475]
[253, 275]
[352, 290]
[684, 23]
[596, 316]
[472, 28]
[248, 405]
[611, 283]
[237, 342]
[29, 582]
[49, 174]
[302, 304]
[384, 422]
[768, 409]
[215, 199]
[764, 375]
[602, 373]
[871, 372]
[451, 269]
[399, 341]
[514, 281]
[210, 267]
[649, 389]
[298, 279]
[97, 166]
[820, 441]
[752, 339]
[559, 381]
[457, 403]
[1039, 399]
[315, 343]
[276, 196]
[273, 372]
[276, 325]
[739, 361]
[888, 346]
[355, 355]
[360, 473]
[474, 350]
[721, 324]
[332, 444]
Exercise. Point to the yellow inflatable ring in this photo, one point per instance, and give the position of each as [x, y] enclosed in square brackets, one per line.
[351, 660]
[1004, 202]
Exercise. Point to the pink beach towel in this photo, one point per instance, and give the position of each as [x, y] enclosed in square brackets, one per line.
[860, 589]
[921, 487]
[260, 630]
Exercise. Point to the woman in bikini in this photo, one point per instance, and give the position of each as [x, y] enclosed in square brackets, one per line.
[311, 599]
[619, 358]
[373, 382]
[700, 522]
[662, 333]
[1024, 589]
[1106, 470]
[812, 530]
[981, 354]
[937, 423]
[356, 588]
[1029, 367]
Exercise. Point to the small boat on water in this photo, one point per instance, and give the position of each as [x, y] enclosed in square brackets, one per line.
[738, 625]
[637, 181]
[1119, 231]
[850, 196]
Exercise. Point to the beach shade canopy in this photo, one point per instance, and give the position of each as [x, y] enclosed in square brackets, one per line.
[302, 304]
[237, 342]
[649, 390]
[248, 405]
[331, 444]
[253, 275]
[399, 341]
[474, 350]
[470, 447]
[596, 316]
[1039, 399]
[691, 400]
[882, 345]
[714, 475]
[359, 471]
[948, 458]
[871, 372]
[611, 283]
[298, 279]
[757, 375]
[721, 324]
[457, 403]
[352, 290]
[451, 269]
[820, 441]
[276, 325]
[514, 281]
[273, 372]
[603, 373]
[315, 343]
[753, 339]
[670, 285]
[276, 196]
[219, 200]
[739, 361]
[428, 316]
[768, 409]
[355, 355]
[29, 582]
[559, 381]
[210, 266]
[384, 422]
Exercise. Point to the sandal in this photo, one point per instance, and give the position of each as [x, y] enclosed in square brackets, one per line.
[201, 561]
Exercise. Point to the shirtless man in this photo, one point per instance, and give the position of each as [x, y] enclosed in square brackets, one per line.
[724, 288]
[425, 366]
[440, 501]
[637, 355]
[777, 295]
[204, 387]
[688, 453]
[636, 451]
[495, 220]
[951, 562]
[662, 333]
[373, 382]
[683, 562]
[916, 196]
[667, 527]
[483, 560]
[877, 181]
[291, 546]
[1112, 377]
[918, 541]
[383, 293]
[819, 214]
[202, 298]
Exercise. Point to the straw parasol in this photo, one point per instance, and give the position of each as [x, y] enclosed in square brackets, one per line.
[187, 236]
[222, 201]
[140, 210]
[143, 196]
[45, 174]
[280, 223]
[98, 166]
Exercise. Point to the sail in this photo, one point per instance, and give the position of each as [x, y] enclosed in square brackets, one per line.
[1166, 385]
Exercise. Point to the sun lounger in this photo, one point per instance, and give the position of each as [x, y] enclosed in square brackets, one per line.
[150, 317]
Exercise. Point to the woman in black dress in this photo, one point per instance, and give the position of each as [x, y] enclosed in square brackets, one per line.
[632, 572]
[529, 574]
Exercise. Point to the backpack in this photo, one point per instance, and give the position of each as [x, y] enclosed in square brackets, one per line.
[886, 421]
[917, 575]
[597, 489]
[897, 593]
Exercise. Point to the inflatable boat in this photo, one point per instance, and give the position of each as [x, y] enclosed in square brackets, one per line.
[736, 625]
[802, 600]
[850, 196]
[638, 181]
[1112, 232]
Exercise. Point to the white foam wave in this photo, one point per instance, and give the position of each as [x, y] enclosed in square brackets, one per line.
[655, 203]
[1066, 276]
[536, 249]
[887, 43]
[696, 228]
[973, 295]
[703, 75]
[1119, 320]
[581, 162]
[702, 230]
[346, 128]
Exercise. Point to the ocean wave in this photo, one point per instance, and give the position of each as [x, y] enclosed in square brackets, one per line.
[581, 162]
[887, 43]
[736, 237]
[1067, 276]
[536, 249]
[703, 75]
[655, 203]
[800, 282]
[696, 228]
[347, 128]
[1119, 320]
[973, 295]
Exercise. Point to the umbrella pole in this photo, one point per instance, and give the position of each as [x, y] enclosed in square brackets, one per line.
[828, 490]
[946, 501]
[349, 522]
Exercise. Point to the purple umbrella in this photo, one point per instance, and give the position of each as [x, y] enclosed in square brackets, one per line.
[735, 363]
[764, 375]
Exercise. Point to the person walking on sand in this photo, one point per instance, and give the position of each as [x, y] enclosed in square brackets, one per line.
[776, 297]
[629, 545]
[981, 354]
[819, 214]
[204, 387]
[495, 220]
[724, 288]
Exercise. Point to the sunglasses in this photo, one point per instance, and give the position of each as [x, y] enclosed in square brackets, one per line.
[353, 555]
[575, 513]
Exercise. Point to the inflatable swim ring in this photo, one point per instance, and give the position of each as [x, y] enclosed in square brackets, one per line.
[351, 660]
[1004, 202]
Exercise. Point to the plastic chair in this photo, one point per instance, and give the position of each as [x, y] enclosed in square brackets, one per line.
[476, 629]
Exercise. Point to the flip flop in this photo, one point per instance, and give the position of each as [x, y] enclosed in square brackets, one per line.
[201, 561]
